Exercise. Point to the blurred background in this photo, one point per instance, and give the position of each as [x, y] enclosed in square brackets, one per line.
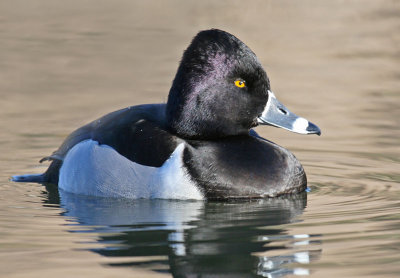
[336, 63]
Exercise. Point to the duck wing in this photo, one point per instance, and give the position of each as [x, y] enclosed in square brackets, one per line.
[139, 133]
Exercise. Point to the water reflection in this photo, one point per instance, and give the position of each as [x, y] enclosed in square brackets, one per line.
[195, 239]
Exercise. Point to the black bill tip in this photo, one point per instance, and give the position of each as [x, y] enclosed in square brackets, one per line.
[313, 129]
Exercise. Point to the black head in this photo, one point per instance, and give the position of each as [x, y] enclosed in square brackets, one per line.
[219, 90]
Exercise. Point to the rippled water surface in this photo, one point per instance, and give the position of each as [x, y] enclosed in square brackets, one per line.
[337, 63]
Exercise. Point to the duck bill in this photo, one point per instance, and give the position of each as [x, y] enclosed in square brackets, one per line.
[276, 114]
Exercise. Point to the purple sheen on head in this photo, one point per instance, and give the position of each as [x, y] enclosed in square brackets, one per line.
[218, 67]
[203, 101]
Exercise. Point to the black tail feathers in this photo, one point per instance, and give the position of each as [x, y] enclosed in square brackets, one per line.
[39, 178]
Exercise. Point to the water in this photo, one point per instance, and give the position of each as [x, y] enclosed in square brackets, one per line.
[336, 63]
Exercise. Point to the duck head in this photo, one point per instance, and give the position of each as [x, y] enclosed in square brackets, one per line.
[221, 89]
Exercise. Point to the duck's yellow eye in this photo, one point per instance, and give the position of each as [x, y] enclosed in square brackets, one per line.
[240, 83]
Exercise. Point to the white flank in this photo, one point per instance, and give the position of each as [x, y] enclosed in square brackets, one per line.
[172, 181]
[99, 170]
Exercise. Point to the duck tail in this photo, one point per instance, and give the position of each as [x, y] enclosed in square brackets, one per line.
[39, 178]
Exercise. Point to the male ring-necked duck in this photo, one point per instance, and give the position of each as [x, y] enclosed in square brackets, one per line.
[199, 145]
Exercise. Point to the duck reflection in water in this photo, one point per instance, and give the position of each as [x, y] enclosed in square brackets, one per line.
[196, 238]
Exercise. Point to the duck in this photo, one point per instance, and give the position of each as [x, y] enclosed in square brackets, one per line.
[199, 145]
